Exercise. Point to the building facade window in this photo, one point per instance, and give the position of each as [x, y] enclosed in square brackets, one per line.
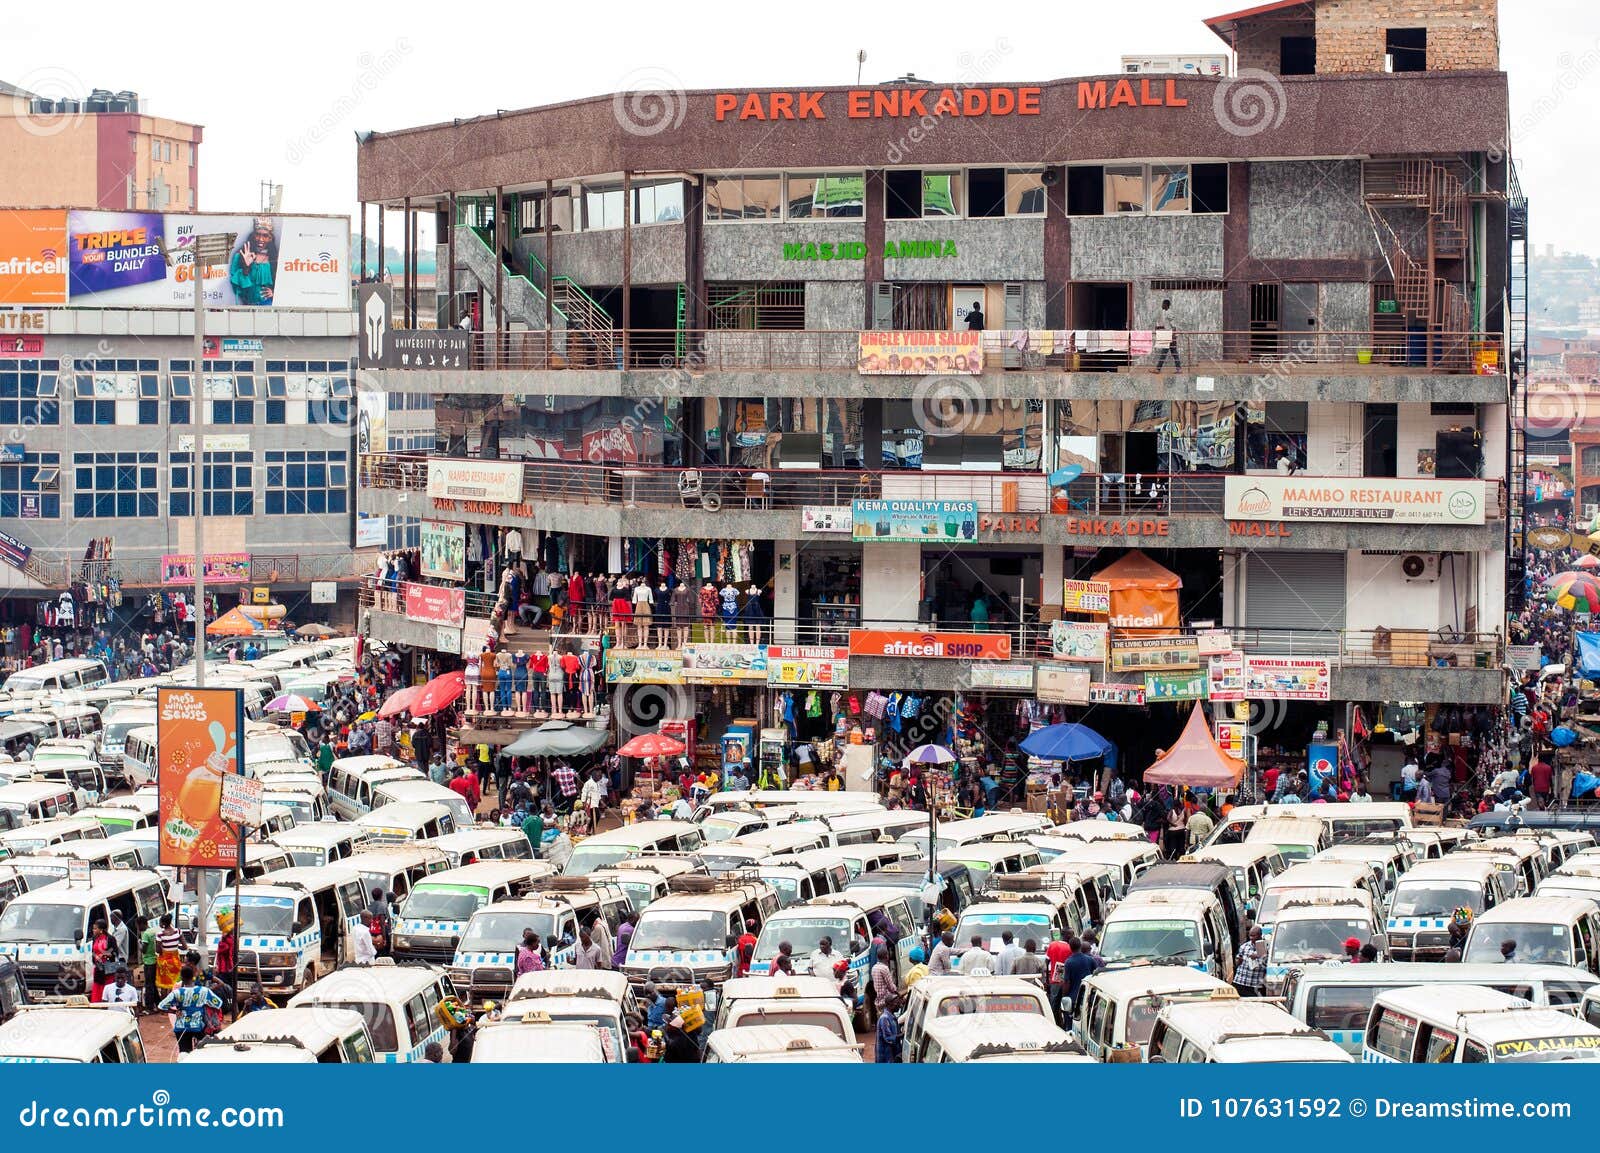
[229, 388]
[28, 393]
[824, 196]
[30, 487]
[775, 307]
[116, 392]
[123, 485]
[1147, 189]
[228, 483]
[308, 392]
[660, 203]
[602, 208]
[744, 197]
[301, 482]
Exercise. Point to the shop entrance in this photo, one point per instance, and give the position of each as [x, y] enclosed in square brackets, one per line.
[1006, 579]
[829, 594]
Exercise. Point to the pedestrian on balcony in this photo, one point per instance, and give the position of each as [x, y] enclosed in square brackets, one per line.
[1167, 339]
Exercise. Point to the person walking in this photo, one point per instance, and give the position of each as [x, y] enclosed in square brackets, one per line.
[1167, 339]
[886, 1051]
[189, 1001]
[148, 951]
[1250, 972]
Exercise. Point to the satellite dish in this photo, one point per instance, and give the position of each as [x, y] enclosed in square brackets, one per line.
[1065, 476]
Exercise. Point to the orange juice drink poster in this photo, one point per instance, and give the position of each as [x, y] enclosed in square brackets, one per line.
[197, 744]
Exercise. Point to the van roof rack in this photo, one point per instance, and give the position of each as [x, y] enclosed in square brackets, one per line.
[1023, 883]
[704, 883]
[558, 884]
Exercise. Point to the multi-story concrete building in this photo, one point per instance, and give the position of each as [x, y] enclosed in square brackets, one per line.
[97, 149]
[708, 318]
[98, 396]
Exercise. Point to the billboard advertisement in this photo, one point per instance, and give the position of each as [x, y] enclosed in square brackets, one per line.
[1086, 597]
[221, 568]
[1144, 654]
[33, 256]
[713, 662]
[1062, 684]
[644, 667]
[434, 605]
[915, 521]
[146, 260]
[1079, 641]
[797, 666]
[372, 422]
[1287, 678]
[197, 745]
[475, 480]
[931, 353]
[1336, 499]
[384, 346]
[444, 550]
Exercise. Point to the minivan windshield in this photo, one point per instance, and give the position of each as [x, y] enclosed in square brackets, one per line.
[805, 934]
[1434, 898]
[502, 932]
[680, 929]
[30, 922]
[444, 903]
[1533, 943]
[1312, 939]
[1152, 939]
[262, 916]
[586, 859]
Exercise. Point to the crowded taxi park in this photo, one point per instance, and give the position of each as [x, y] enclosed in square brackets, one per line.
[376, 915]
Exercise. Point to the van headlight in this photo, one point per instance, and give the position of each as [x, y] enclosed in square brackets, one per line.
[280, 958]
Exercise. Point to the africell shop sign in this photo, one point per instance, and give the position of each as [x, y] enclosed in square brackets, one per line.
[1354, 499]
[433, 605]
[930, 646]
[492, 480]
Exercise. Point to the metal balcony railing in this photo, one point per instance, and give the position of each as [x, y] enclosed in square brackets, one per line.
[1264, 350]
[652, 486]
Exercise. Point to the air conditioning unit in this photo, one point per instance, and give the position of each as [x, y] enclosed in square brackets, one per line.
[1420, 567]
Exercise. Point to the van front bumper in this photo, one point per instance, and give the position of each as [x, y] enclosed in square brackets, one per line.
[1418, 946]
[480, 985]
[52, 978]
[430, 948]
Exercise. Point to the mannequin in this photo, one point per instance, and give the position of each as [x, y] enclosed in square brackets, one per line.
[519, 681]
[473, 683]
[558, 684]
[586, 659]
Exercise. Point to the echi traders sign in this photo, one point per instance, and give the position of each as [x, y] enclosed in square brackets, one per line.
[802, 666]
[930, 646]
[1333, 499]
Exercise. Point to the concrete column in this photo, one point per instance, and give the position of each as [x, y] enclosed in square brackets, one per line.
[785, 591]
[891, 584]
[614, 554]
[1050, 578]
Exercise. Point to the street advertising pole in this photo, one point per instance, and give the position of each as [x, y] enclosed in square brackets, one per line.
[240, 808]
[212, 249]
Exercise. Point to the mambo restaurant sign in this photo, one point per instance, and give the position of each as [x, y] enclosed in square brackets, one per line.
[877, 103]
[1335, 499]
[857, 250]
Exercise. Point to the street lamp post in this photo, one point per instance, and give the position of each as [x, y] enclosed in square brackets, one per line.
[208, 250]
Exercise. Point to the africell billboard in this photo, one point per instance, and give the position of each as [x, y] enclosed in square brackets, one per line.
[33, 256]
[146, 260]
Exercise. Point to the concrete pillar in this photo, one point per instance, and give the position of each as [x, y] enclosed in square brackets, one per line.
[1050, 578]
[891, 584]
[614, 554]
[785, 591]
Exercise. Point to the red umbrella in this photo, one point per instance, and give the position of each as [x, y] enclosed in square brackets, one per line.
[439, 693]
[1589, 562]
[400, 700]
[651, 745]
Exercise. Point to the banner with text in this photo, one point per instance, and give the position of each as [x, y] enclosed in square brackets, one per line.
[918, 353]
[1079, 641]
[801, 666]
[1062, 684]
[475, 480]
[1387, 500]
[1085, 597]
[915, 521]
[221, 568]
[444, 550]
[930, 646]
[712, 662]
[435, 605]
[197, 745]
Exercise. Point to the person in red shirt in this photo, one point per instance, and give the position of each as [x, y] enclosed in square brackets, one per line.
[575, 594]
[746, 949]
[1541, 779]
[1055, 970]
[1269, 782]
[467, 785]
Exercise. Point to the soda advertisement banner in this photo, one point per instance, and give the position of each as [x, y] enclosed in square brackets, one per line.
[146, 260]
[197, 745]
[709, 662]
[1388, 500]
[475, 480]
[920, 353]
[221, 568]
[802, 666]
[1287, 678]
[1062, 684]
[930, 646]
[33, 256]
[915, 521]
[1231, 736]
[1146, 654]
[1175, 686]
[435, 605]
[1107, 693]
[444, 550]
[644, 667]
[1086, 597]
[1079, 641]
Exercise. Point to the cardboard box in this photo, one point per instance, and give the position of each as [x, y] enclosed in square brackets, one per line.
[1427, 814]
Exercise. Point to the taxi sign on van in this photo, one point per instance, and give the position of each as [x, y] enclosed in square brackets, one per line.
[77, 871]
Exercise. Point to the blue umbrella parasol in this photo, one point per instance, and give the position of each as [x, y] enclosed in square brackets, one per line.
[1069, 742]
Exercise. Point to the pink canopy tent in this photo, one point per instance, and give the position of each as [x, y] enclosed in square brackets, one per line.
[1196, 760]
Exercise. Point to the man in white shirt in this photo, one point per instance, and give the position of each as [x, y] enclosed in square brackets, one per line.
[366, 951]
[120, 992]
[1408, 773]
[681, 809]
[976, 957]
[592, 799]
[1010, 951]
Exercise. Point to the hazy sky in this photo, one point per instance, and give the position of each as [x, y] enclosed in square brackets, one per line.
[282, 89]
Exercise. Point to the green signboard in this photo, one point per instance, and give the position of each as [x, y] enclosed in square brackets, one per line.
[856, 250]
[1174, 687]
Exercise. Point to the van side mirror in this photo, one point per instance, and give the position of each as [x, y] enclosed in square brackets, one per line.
[731, 942]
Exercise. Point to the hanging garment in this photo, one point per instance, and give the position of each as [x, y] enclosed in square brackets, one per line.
[1141, 343]
[813, 704]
